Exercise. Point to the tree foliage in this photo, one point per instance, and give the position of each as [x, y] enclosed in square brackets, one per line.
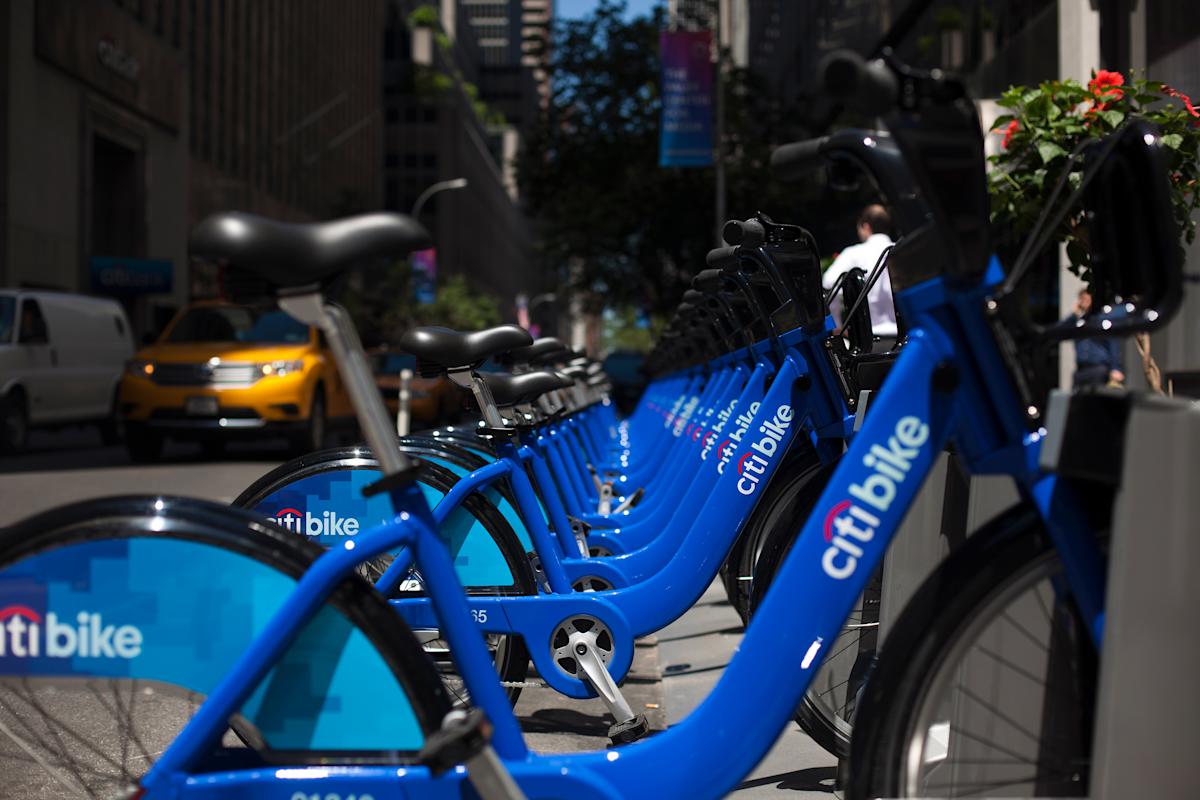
[383, 304]
[589, 172]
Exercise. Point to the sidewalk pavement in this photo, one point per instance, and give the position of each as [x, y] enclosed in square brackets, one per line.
[672, 673]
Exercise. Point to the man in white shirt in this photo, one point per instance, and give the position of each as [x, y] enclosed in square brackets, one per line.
[873, 226]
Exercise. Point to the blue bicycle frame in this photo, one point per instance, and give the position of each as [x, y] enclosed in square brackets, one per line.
[657, 583]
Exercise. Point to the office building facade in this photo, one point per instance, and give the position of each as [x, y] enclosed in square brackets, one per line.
[125, 122]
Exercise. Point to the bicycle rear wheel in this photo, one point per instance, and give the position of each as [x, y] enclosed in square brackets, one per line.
[826, 710]
[489, 556]
[119, 616]
[986, 685]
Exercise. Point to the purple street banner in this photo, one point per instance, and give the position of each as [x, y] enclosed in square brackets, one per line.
[424, 265]
[686, 138]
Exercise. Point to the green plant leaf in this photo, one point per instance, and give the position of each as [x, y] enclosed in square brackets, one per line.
[1112, 117]
[1038, 107]
[1172, 140]
[423, 16]
[1049, 151]
[1002, 120]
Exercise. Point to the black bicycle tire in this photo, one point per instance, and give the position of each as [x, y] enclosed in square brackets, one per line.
[919, 639]
[797, 501]
[741, 555]
[515, 670]
[252, 536]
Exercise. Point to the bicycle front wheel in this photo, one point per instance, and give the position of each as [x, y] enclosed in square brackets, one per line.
[986, 685]
[118, 618]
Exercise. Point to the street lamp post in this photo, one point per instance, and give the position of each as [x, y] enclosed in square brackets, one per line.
[441, 186]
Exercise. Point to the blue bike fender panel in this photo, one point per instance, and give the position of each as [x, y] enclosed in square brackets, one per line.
[330, 508]
[511, 515]
[110, 608]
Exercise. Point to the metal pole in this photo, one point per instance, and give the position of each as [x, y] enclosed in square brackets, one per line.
[441, 186]
[718, 150]
[403, 402]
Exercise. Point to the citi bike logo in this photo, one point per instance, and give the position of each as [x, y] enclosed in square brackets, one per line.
[685, 415]
[754, 464]
[728, 446]
[327, 523]
[24, 633]
[718, 426]
[855, 521]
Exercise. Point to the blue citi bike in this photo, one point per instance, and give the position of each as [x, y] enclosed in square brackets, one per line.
[165, 647]
[672, 567]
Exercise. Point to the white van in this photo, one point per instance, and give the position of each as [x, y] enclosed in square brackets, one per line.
[61, 358]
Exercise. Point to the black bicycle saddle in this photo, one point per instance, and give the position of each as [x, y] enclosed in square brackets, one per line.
[508, 389]
[288, 254]
[450, 349]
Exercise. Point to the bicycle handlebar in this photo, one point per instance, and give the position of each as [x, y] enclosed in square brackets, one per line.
[866, 85]
[791, 162]
[749, 232]
[722, 257]
[708, 280]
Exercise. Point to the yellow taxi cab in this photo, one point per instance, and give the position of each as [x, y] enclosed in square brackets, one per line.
[221, 370]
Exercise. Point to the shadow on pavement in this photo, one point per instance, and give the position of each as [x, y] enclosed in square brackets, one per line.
[697, 634]
[813, 779]
[565, 720]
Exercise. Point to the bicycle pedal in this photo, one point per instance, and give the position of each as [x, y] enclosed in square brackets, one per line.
[630, 730]
[630, 501]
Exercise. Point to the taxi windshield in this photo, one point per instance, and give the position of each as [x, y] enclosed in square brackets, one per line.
[237, 324]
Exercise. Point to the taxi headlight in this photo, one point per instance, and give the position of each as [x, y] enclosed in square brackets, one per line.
[140, 369]
[280, 368]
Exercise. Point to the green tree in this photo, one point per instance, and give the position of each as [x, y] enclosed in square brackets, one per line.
[460, 306]
[626, 329]
[589, 172]
[383, 306]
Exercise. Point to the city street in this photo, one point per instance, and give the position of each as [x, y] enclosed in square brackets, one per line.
[67, 465]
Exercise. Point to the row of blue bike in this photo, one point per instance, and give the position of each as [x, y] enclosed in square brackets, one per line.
[360, 622]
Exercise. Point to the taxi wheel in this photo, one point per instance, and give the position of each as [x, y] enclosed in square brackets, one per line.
[112, 427]
[213, 447]
[312, 437]
[143, 445]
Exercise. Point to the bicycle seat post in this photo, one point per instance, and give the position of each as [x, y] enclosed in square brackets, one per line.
[467, 379]
[312, 309]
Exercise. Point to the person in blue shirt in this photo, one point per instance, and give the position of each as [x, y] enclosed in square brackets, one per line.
[1099, 361]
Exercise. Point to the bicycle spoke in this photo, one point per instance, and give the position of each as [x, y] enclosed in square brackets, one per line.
[46, 716]
[1031, 735]
[46, 766]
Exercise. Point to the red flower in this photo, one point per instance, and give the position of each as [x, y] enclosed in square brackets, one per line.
[1106, 88]
[1009, 130]
[1187, 101]
[1106, 82]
